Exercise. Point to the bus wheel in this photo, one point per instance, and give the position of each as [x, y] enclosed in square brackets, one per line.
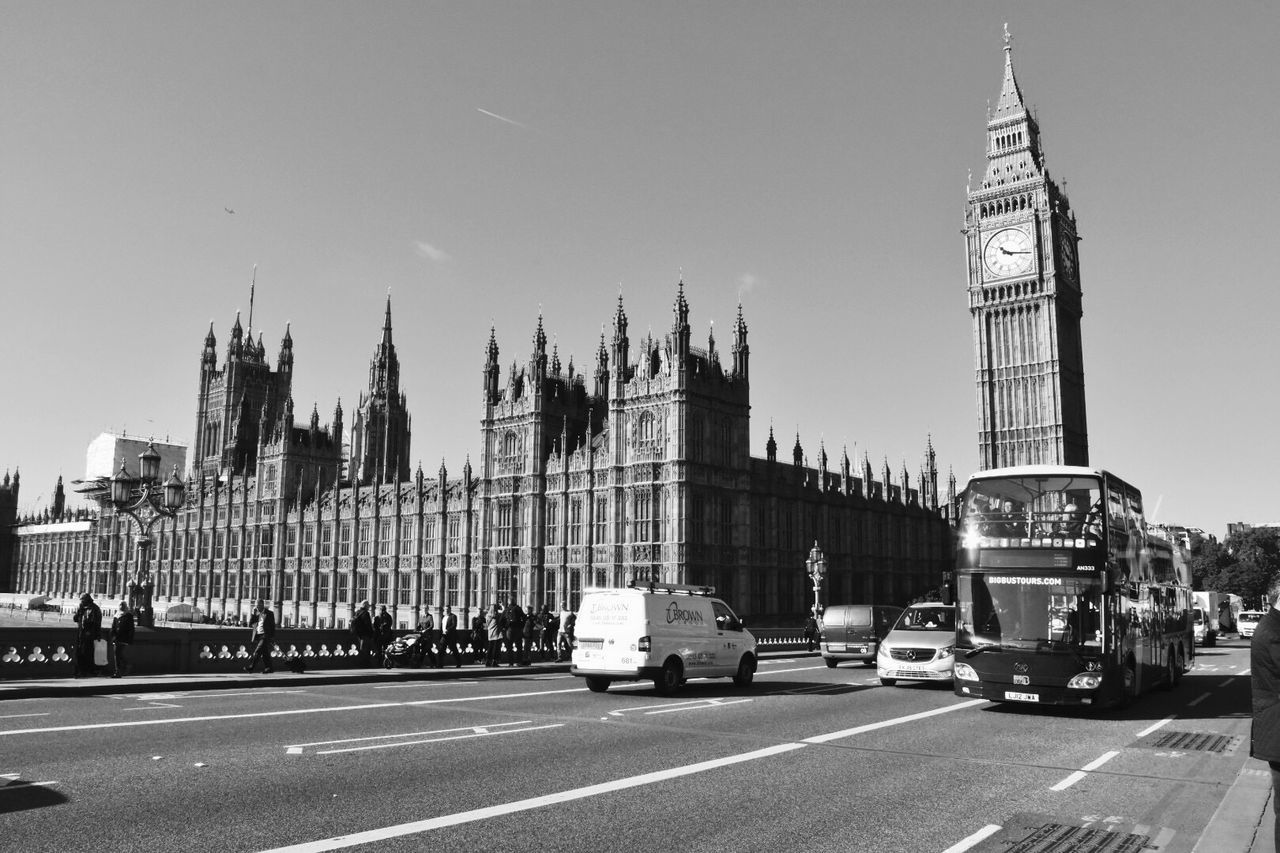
[1130, 688]
[668, 681]
[1173, 669]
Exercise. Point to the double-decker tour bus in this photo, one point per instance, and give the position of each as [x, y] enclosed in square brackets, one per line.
[1063, 597]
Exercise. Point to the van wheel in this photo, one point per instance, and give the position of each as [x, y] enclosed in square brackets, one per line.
[596, 684]
[888, 682]
[670, 679]
[831, 662]
[746, 672]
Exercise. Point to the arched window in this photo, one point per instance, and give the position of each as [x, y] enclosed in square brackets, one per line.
[510, 449]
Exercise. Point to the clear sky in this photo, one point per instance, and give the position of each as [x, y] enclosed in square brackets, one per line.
[488, 160]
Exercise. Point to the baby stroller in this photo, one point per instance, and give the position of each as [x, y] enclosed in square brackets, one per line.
[404, 650]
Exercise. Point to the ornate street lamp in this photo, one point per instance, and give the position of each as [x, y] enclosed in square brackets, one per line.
[817, 564]
[146, 500]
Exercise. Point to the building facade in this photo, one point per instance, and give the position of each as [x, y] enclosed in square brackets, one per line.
[642, 474]
[1024, 297]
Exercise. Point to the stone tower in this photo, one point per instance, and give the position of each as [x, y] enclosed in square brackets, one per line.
[1024, 297]
[8, 524]
[380, 431]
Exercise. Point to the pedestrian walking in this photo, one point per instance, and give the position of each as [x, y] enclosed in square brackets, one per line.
[550, 633]
[121, 637]
[564, 642]
[449, 636]
[262, 627]
[1264, 666]
[811, 632]
[88, 618]
[362, 629]
[493, 626]
[383, 629]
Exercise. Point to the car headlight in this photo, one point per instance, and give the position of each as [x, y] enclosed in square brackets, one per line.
[882, 651]
[965, 672]
[946, 651]
[1085, 681]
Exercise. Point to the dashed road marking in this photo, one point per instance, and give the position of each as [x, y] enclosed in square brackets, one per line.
[981, 835]
[1084, 771]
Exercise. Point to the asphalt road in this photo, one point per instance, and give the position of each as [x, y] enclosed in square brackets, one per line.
[807, 758]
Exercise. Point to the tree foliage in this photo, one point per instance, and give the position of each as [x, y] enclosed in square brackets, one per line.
[1247, 564]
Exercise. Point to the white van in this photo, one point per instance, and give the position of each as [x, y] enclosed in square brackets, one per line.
[921, 646]
[665, 632]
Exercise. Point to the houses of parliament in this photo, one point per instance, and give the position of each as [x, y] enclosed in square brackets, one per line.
[635, 467]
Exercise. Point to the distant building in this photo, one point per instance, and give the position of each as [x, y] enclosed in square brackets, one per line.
[106, 452]
[644, 475]
[1239, 527]
[8, 530]
[1187, 537]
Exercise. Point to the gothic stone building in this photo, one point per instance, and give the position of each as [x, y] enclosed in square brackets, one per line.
[645, 474]
[1024, 298]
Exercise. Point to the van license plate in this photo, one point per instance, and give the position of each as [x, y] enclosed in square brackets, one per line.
[835, 647]
[1022, 697]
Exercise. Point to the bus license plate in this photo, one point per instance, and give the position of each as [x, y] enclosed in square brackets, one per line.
[1022, 697]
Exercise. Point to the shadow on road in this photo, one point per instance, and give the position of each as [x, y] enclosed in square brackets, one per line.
[21, 796]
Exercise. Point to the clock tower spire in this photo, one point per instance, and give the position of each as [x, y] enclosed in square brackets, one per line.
[1024, 297]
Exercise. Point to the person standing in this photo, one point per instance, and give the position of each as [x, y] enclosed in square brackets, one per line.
[263, 627]
[514, 632]
[564, 642]
[426, 648]
[382, 633]
[449, 636]
[1264, 666]
[493, 631]
[362, 628]
[89, 621]
[479, 639]
[121, 637]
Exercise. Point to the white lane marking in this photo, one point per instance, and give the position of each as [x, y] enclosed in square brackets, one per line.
[375, 835]
[870, 727]
[294, 712]
[422, 684]
[1084, 771]
[981, 835]
[154, 707]
[1196, 701]
[475, 734]
[689, 705]
[11, 716]
[1225, 683]
[204, 719]
[411, 734]
[1151, 728]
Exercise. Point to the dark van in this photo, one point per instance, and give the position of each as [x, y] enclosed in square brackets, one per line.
[854, 631]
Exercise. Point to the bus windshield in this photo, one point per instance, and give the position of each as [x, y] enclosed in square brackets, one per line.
[1021, 507]
[1015, 611]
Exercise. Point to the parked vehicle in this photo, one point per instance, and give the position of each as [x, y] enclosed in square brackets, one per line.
[665, 632]
[854, 631]
[920, 647]
[1205, 616]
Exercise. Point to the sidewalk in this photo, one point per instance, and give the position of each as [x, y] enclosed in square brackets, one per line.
[1245, 819]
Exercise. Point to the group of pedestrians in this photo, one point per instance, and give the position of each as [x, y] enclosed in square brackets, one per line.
[91, 647]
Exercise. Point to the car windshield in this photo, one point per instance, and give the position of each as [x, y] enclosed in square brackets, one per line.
[936, 618]
[1015, 611]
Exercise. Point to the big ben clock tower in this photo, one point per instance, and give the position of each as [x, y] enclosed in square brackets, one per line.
[1024, 297]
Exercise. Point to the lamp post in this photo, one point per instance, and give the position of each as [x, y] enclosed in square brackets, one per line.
[146, 500]
[817, 564]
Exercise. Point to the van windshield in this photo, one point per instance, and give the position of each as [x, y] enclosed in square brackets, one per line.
[940, 618]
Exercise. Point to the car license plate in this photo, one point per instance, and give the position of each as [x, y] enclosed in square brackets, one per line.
[1022, 697]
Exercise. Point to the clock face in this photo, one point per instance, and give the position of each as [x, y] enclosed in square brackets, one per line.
[1068, 255]
[1009, 252]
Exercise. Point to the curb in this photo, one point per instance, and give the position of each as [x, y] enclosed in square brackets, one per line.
[1239, 824]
